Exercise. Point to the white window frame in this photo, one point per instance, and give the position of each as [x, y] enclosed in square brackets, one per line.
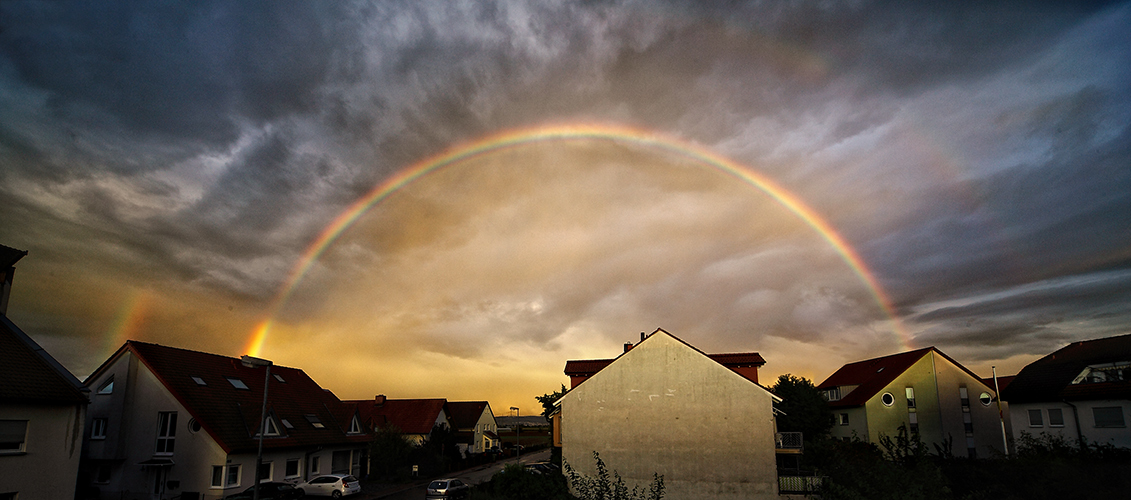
[355, 426]
[298, 468]
[1122, 418]
[1060, 417]
[269, 468]
[315, 464]
[225, 476]
[1040, 421]
[166, 433]
[98, 428]
[843, 419]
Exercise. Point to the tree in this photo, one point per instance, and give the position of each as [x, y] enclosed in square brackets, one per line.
[805, 410]
[548, 401]
[388, 451]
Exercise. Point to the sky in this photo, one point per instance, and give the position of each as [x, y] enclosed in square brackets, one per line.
[452, 198]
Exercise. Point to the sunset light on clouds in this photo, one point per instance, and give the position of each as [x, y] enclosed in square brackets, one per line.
[445, 199]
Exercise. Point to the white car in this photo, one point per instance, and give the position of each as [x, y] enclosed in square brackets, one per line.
[331, 485]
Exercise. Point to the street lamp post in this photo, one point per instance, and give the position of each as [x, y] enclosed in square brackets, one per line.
[253, 362]
[518, 428]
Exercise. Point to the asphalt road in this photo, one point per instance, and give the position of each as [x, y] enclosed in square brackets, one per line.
[472, 476]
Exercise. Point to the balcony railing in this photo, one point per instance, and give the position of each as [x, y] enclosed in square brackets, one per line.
[800, 484]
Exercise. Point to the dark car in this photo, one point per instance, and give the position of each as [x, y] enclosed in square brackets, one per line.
[269, 491]
[447, 488]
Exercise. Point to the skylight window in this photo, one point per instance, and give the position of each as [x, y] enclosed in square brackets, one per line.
[237, 383]
[279, 378]
[315, 421]
[199, 381]
[1107, 372]
[287, 423]
[108, 387]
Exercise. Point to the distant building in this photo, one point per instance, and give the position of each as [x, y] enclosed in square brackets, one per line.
[42, 410]
[173, 423]
[665, 407]
[924, 391]
[1081, 392]
[414, 418]
[475, 425]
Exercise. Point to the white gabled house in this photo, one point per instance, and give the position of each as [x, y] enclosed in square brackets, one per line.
[165, 423]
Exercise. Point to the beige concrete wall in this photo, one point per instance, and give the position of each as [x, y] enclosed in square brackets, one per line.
[666, 408]
[1083, 412]
[49, 465]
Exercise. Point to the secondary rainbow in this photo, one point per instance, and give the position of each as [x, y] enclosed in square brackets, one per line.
[565, 132]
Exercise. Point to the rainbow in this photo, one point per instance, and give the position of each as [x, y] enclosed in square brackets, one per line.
[562, 132]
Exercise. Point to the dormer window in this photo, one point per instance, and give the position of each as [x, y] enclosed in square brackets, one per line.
[272, 429]
[355, 427]
[199, 381]
[237, 383]
[107, 387]
[1119, 371]
[832, 394]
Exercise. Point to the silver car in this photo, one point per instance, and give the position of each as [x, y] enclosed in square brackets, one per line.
[447, 488]
[331, 485]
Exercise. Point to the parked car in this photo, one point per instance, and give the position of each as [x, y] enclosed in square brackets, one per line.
[269, 491]
[331, 485]
[447, 488]
[541, 468]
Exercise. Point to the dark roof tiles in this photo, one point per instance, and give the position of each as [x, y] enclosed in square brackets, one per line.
[1050, 378]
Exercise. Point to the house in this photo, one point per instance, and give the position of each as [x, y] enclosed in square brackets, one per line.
[1081, 392]
[665, 407]
[42, 410]
[475, 425]
[924, 391]
[174, 423]
[415, 418]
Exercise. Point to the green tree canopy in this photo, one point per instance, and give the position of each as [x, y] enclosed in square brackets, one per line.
[805, 410]
[548, 401]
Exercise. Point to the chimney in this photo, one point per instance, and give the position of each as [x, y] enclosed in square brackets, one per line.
[643, 336]
[379, 400]
[627, 346]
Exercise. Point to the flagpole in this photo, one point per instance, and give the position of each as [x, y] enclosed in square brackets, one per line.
[1000, 415]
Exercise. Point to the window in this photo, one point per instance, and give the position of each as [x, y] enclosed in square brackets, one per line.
[971, 448]
[1111, 416]
[107, 387]
[887, 399]
[964, 398]
[292, 468]
[279, 377]
[98, 428]
[237, 383]
[1056, 417]
[315, 421]
[13, 436]
[985, 398]
[199, 381]
[913, 419]
[843, 419]
[1107, 372]
[832, 394]
[287, 423]
[314, 464]
[166, 432]
[272, 429]
[225, 476]
[1035, 418]
[265, 471]
[355, 428]
[910, 393]
[968, 424]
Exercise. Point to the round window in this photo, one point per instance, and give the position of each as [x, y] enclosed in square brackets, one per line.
[887, 399]
[193, 425]
[985, 398]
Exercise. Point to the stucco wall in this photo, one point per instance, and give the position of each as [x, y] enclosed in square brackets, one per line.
[1116, 436]
[666, 408]
[52, 450]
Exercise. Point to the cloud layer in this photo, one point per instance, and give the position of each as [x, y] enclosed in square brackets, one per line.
[167, 165]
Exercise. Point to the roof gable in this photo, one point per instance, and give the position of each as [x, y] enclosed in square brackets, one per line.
[411, 416]
[30, 373]
[1050, 378]
[733, 361]
[873, 375]
[466, 414]
[230, 413]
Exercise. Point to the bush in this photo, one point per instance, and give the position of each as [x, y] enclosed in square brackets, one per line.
[603, 487]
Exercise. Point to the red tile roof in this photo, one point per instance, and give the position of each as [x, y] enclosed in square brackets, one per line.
[734, 361]
[465, 414]
[231, 415]
[1050, 378]
[411, 416]
[872, 375]
[30, 374]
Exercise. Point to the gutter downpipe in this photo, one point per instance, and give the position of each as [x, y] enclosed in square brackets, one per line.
[1076, 419]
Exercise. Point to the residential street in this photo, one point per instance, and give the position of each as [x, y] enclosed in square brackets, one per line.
[473, 476]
